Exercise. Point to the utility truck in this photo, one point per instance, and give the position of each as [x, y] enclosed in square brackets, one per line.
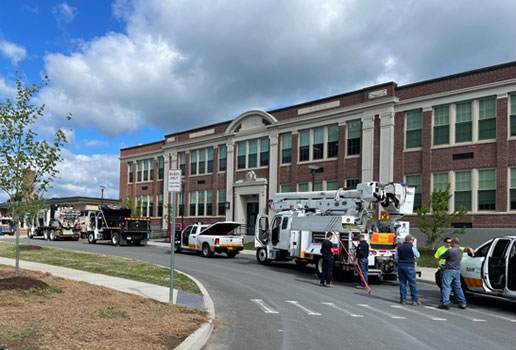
[301, 221]
[56, 222]
[209, 239]
[115, 223]
[7, 226]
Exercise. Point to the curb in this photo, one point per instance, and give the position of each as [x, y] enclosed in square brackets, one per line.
[200, 337]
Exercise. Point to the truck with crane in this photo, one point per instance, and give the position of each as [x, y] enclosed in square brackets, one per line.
[301, 220]
[56, 222]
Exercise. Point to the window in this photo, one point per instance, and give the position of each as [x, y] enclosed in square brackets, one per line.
[130, 165]
[333, 141]
[223, 157]
[302, 187]
[146, 171]
[264, 151]
[513, 189]
[463, 124]
[513, 116]
[161, 167]
[286, 148]
[160, 205]
[304, 145]
[151, 169]
[487, 118]
[145, 209]
[463, 190]
[354, 133]
[202, 161]
[352, 183]
[487, 189]
[317, 186]
[442, 125]
[182, 163]
[209, 203]
[414, 126]
[241, 155]
[181, 204]
[440, 181]
[221, 202]
[253, 154]
[200, 203]
[416, 181]
[318, 143]
[286, 188]
[332, 185]
[193, 197]
[140, 170]
[210, 160]
[151, 205]
[193, 162]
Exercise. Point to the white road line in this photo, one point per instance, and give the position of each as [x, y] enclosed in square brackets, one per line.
[308, 312]
[343, 310]
[418, 313]
[493, 315]
[455, 314]
[267, 309]
[382, 312]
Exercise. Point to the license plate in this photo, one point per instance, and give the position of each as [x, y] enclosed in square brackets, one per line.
[128, 237]
[230, 248]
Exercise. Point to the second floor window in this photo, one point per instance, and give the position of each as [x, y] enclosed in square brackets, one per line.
[463, 123]
[193, 162]
[201, 161]
[413, 130]
[354, 133]
[304, 145]
[442, 125]
[463, 190]
[145, 171]
[222, 157]
[131, 175]
[182, 163]
[161, 168]
[286, 148]
[513, 116]
[487, 118]
[253, 153]
[415, 180]
[333, 141]
[318, 143]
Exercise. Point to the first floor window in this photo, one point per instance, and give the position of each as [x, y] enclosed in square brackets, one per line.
[200, 203]
[317, 186]
[145, 211]
[440, 181]
[415, 180]
[181, 204]
[151, 205]
[193, 197]
[221, 196]
[286, 188]
[332, 185]
[513, 189]
[209, 203]
[486, 189]
[303, 187]
[463, 190]
[352, 183]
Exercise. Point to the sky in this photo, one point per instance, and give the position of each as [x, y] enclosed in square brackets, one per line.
[131, 71]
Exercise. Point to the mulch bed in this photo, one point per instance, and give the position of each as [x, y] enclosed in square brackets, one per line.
[22, 283]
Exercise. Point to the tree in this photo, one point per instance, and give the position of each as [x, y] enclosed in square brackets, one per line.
[129, 204]
[28, 163]
[434, 218]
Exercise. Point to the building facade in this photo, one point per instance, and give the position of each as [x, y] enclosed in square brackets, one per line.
[458, 130]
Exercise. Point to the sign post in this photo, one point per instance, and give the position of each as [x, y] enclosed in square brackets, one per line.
[174, 186]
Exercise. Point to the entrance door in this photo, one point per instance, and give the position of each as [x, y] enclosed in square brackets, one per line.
[497, 264]
[252, 213]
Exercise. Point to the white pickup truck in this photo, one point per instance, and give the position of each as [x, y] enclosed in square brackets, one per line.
[492, 269]
[210, 239]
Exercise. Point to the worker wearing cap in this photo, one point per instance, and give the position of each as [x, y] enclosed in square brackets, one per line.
[327, 261]
[440, 262]
[363, 259]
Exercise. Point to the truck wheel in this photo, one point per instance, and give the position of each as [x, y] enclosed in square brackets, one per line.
[231, 255]
[31, 234]
[91, 238]
[45, 235]
[206, 252]
[115, 239]
[52, 235]
[177, 248]
[318, 267]
[262, 257]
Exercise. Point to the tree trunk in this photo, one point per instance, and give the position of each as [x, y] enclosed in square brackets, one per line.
[17, 230]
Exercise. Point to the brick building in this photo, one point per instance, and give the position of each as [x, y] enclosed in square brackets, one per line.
[459, 129]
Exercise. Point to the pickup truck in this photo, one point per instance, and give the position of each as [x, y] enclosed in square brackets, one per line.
[210, 239]
[492, 268]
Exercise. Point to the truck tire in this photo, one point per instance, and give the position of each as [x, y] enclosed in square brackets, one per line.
[231, 255]
[262, 257]
[31, 234]
[137, 242]
[318, 267]
[206, 251]
[177, 248]
[52, 235]
[46, 235]
[91, 238]
[115, 239]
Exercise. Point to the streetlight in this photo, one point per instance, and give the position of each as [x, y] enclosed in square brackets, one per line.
[315, 169]
[102, 188]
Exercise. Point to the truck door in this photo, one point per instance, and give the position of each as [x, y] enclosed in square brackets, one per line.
[497, 263]
[511, 270]
[192, 240]
[90, 221]
[473, 268]
[185, 235]
[275, 230]
[261, 231]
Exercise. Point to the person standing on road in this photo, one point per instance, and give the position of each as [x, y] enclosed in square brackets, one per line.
[451, 276]
[406, 255]
[362, 257]
[440, 262]
[327, 261]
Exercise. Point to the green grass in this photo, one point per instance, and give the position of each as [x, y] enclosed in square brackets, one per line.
[40, 292]
[249, 246]
[103, 264]
[427, 257]
[21, 340]
[112, 313]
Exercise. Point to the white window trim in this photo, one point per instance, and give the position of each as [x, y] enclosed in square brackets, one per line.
[150, 160]
[509, 112]
[348, 156]
[281, 148]
[258, 155]
[218, 159]
[478, 189]
[302, 183]
[311, 145]
[412, 149]
[130, 165]
[205, 162]
[444, 145]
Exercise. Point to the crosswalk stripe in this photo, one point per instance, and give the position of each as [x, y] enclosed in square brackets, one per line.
[455, 314]
[382, 312]
[309, 312]
[493, 315]
[341, 309]
[418, 313]
[267, 309]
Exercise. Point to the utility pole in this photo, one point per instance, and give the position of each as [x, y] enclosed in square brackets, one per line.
[174, 187]
[102, 188]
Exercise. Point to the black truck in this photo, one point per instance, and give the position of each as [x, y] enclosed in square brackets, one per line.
[115, 223]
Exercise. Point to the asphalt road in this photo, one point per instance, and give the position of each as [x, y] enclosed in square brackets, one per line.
[282, 307]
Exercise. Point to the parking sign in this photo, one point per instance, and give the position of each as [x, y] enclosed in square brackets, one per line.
[174, 181]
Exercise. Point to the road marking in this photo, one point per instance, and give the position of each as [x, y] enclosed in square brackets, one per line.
[492, 315]
[267, 309]
[382, 312]
[309, 312]
[418, 313]
[455, 314]
[343, 310]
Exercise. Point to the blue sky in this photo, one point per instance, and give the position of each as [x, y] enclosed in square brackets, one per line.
[130, 71]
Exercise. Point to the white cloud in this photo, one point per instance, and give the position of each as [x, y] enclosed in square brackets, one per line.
[6, 90]
[11, 51]
[95, 143]
[64, 14]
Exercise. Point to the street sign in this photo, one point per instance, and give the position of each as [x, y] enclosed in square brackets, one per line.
[174, 180]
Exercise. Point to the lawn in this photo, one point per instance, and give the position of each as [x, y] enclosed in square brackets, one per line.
[427, 257]
[103, 264]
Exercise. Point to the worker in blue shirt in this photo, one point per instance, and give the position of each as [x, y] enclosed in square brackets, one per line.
[406, 255]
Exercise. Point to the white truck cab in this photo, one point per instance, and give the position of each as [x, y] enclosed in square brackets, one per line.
[492, 269]
[210, 239]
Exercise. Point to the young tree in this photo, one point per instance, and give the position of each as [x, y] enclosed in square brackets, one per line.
[129, 204]
[28, 163]
[434, 218]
